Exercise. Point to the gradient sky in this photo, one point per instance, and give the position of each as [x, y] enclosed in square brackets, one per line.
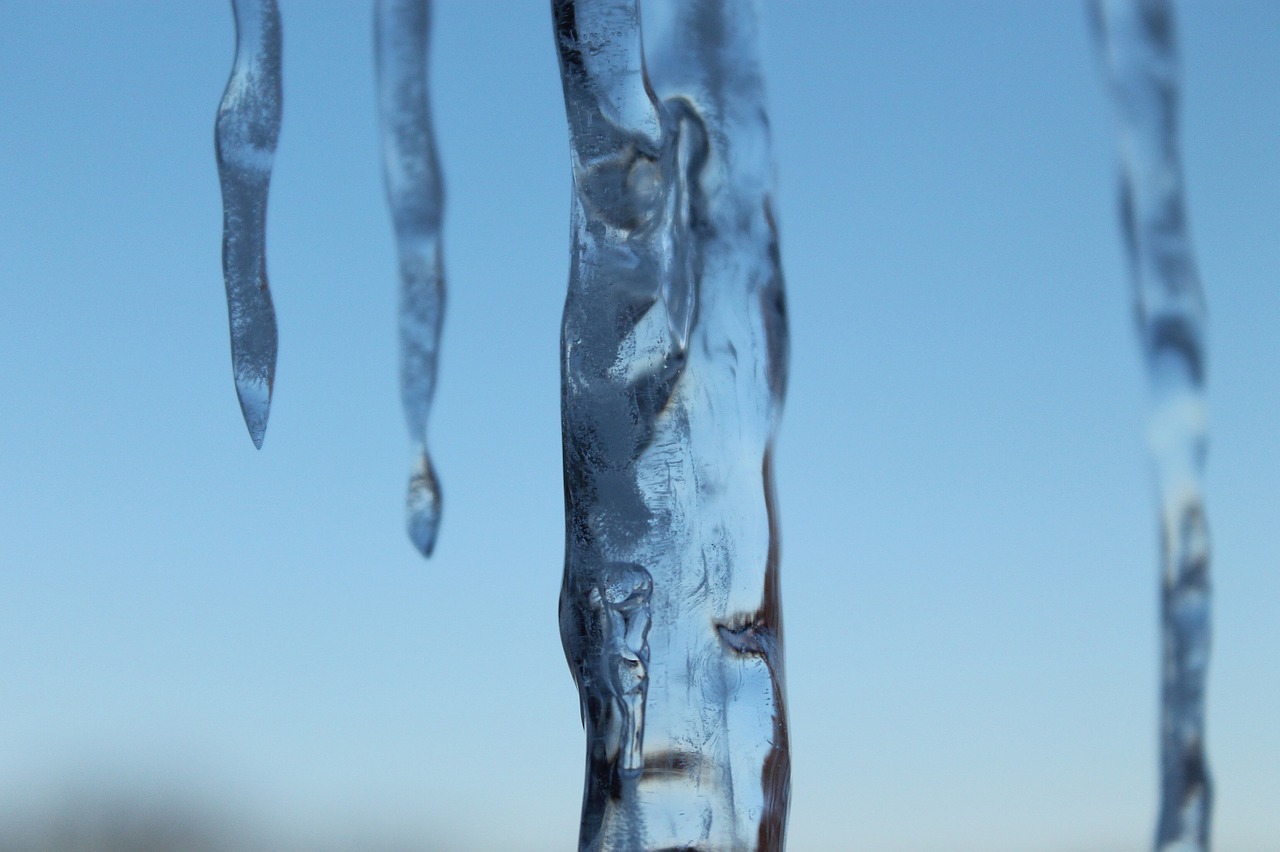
[969, 547]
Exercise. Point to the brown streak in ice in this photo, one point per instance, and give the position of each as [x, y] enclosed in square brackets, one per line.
[777, 765]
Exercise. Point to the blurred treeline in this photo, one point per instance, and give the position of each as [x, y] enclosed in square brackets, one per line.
[99, 822]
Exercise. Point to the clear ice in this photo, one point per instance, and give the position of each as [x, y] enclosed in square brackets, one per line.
[415, 194]
[1135, 40]
[674, 360]
[245, 135]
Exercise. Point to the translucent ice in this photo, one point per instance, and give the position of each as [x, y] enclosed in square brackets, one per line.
[1136, 43]
[674, 353]
[245, 135]
[416, 196]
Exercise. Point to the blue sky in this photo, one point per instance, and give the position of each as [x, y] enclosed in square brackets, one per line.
[969, 548]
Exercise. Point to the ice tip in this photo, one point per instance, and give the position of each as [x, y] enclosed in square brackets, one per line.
[423, 527]
[255, 406]
[422, 506]
[256, 433]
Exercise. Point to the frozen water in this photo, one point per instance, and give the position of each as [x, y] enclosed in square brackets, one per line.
[1136, 43]
[245, 135]
[415, 194]
[674, 353]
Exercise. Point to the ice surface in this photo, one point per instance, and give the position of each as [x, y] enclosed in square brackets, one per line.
[245, 135]
[674, 353]
[1135, 40]
[415, 194]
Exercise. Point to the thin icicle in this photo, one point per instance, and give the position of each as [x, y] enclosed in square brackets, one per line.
[415, 194]
[1136, 43]
[245, 135]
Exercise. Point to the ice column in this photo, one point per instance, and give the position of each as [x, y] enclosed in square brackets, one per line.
[674, 357]
[415, 194]
[245, 135]
[1136, 43]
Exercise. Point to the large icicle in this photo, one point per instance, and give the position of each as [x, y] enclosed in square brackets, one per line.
[1136, 43]
[673, 367]
[416, 196]
[245, 135]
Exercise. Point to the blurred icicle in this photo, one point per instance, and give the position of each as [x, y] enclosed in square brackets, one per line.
[1135, 39]
[416, 196]
[245, 135]
[674, 358]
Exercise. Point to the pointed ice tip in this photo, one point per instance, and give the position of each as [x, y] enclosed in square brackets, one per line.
[423, 527]
[422, 506]
[255, 405]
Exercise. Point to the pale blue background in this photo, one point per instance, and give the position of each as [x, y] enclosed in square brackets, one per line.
[969, 546]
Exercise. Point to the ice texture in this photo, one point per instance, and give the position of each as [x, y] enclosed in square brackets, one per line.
[415, 194]
[674, 361]
[245, 135]
[1135, 40]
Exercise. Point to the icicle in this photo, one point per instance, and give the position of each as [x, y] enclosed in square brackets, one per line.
[246, 131]
[416, 196]
[1136, 43]
[673, 367]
